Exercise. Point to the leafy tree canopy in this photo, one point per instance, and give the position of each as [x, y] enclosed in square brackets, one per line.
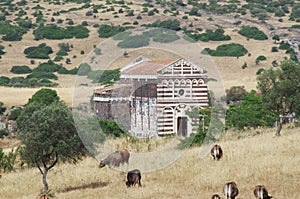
[44, 96]
[280, 90]
[49, 136]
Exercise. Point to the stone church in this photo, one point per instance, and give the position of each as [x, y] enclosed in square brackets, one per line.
[152, 97]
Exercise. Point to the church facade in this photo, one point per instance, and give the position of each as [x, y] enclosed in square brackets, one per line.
[152, 98]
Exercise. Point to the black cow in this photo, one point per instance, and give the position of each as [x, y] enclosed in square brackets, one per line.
[133, 178]
[230, 190]
[260, 192]
[216, 152]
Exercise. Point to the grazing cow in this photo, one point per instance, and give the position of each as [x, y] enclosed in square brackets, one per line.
[133, 178]
[230, 190]
[260, 192]
[125, 156]
[216, 152]
[215, 196]
[112, 160]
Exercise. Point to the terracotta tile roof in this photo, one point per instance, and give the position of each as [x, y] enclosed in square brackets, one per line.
[147, 67]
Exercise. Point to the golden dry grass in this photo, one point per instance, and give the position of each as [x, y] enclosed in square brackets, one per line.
[262, 159]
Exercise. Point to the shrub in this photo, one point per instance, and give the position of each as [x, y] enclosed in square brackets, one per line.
[52, 31]
[11, 32]
[49, 66]
[1, 50]
[84, 69]
[20, 69]
[42, 75]
[4, 80]
[233, 49]
[253, 33]
[284, 45]
[14, 114]
[106, 31]
[260, 71]
[168, 24]
[274, 49]
[261, 58]
[40, 52]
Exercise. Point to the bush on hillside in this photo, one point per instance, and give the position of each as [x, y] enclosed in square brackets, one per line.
[41, 51]
[106, 31]
[252, 33]
[168, 24]
[232, 50]
[20, 69]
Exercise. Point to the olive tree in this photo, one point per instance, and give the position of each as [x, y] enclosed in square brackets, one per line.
[49, 136]
[280, 89]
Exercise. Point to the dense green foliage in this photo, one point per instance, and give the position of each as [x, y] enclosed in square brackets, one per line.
[280, 90]
[111, 128]
[233, 50]
[172, 24]
[209, 35]
[41, 51]
[249, 113]
[20, 69]
[49, 135]
[252, 33]
[54, 32]
[11, 32]
[14, 114]
[106, 31]
[44, 96]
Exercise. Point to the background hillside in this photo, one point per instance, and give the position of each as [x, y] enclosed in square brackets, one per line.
[273, 18]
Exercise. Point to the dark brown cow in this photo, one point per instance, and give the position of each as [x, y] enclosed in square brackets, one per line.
[125, 156]
[112, 160]
[216, 152]
[133, 178]
[215, 196]
[230, 190]
[260, 192]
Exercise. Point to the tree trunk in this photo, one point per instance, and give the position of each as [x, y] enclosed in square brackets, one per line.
[45, 181]
[279, 125]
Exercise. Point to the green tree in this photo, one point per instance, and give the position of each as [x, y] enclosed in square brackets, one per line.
[44, 96]
[235, 94]
[49, 136]
[249, 113]
[280, 90]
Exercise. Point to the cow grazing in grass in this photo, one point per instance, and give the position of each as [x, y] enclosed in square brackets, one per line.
[260, 192]
[230, 190]
[215, 196]
[116, 158]
[133, 178]
[112, 160]
[216, 152]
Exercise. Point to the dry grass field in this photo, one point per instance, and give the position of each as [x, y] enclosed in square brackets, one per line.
[261, 159]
